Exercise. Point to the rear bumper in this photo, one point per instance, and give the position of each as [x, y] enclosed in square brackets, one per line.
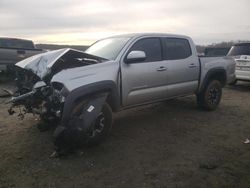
[242, 75]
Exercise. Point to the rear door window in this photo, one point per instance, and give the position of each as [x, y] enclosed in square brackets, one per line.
[176, 48]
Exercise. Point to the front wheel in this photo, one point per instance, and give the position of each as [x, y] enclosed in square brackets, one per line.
[210, 97]
[100, 127]
[70, 138]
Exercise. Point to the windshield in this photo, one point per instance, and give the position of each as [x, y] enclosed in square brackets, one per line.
[239, 50]
[107, 48]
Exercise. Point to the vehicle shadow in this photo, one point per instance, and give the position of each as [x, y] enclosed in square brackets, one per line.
[149, 120]
[240, 86]
[163, 122]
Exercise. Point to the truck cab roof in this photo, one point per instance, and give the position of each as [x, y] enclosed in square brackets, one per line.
[136, 35]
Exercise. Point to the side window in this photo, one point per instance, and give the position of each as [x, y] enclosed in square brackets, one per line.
[151, 47]
[176, 48]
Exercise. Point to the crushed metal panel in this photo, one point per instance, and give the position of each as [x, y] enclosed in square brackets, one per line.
[46, 63]
[40, 64]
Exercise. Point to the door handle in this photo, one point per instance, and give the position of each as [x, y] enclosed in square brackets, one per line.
[192, 65]
[161, 68]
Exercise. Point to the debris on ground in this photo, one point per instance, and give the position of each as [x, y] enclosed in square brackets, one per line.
[247, 141]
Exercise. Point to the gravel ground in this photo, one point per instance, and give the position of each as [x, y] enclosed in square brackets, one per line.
[170, 144]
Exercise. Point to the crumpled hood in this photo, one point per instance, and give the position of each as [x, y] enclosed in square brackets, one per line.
[77, 77]
[42, 64]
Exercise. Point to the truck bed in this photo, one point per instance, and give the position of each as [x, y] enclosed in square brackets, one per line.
[207, 64]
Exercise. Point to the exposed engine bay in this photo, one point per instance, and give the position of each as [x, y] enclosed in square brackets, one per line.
[35, 91]
[34, 96]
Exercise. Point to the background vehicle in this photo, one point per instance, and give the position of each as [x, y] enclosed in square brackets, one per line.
[241, 54]
[13, 50]
[216, 52]
[82, 89]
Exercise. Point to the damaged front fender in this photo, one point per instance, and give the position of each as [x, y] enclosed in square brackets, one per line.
[88, 90]
[80, 120]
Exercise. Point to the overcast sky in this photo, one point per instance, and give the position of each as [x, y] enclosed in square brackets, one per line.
[83, 22]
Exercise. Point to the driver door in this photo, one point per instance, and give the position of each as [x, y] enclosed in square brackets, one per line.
[144, 81]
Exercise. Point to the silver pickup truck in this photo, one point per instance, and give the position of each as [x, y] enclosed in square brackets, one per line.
[82, 89]
[13, 50]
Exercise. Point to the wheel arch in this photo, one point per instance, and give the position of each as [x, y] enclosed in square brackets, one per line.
[91, 91]
[215, 74]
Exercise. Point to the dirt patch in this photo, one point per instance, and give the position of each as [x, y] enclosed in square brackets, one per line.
[171, 144]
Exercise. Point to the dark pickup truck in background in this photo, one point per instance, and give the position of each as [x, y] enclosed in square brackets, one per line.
[13, 50]
[216, 52]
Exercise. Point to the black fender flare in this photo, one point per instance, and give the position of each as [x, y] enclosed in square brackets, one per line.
[89, 91]
[210, 74]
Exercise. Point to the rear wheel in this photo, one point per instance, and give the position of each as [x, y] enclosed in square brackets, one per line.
[210, 97]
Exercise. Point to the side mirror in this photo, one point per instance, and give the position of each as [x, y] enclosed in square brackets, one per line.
[135, 56]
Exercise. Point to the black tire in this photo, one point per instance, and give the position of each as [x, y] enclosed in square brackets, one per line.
[69, 139]
[233, 83]
[101, 127]
[210, 97]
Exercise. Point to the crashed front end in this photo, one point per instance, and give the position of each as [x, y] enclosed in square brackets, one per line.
[38, 94]
[35, 96]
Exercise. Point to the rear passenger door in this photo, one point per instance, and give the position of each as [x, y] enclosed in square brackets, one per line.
[183, 66]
